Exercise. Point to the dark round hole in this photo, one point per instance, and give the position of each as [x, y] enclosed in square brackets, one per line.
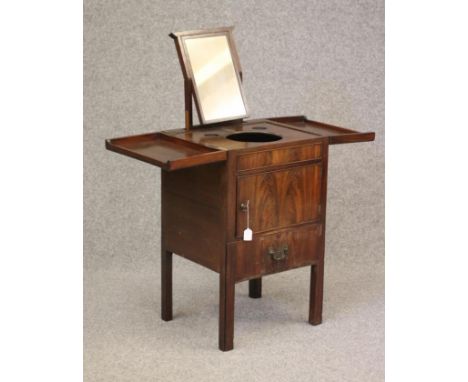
[254, 137]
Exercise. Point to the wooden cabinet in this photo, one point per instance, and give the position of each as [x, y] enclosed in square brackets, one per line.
[218, 179]
[206, 179]
[203, 221]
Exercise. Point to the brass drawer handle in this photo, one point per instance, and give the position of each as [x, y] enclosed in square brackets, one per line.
[279, 254]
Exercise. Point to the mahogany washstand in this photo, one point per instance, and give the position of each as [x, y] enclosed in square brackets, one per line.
[210, 173]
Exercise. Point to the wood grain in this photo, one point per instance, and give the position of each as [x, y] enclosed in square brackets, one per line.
[199, 241]
[165, 151]
[253, 258]
[335, 134]
[201, 219]
[279, 198]
[267, 158]
[227, 287]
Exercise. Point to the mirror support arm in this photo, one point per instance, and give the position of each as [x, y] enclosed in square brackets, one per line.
[188, 89]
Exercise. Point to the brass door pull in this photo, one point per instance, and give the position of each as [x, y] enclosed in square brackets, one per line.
[279, 254]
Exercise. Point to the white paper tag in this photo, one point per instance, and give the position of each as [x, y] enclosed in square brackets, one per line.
[247, 234]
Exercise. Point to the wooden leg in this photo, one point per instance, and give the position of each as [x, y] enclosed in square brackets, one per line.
[316, 294]
[166, 285]
[226, 309]
[255, 288]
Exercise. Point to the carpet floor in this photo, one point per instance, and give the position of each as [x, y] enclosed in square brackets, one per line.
[125, 339]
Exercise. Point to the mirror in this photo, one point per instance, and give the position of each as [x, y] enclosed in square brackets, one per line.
[209, 62]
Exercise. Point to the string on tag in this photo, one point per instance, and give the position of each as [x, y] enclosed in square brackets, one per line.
[248, 231]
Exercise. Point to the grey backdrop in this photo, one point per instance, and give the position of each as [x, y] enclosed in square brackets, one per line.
[324, 59]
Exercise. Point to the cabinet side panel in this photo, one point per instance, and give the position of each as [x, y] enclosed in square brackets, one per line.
[193, 217]
[202, 184]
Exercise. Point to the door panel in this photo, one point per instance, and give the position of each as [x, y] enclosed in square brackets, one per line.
[279, 199]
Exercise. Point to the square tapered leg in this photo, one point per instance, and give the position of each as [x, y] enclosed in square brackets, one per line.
[255, 288]
[166, 285]
[227, 288]
[316, 293]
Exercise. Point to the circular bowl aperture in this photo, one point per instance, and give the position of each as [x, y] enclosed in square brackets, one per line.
[254, 137]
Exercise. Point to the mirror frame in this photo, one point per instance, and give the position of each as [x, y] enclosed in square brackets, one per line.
[189, 83]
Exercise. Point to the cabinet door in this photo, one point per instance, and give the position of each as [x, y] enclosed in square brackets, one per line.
[279, 199]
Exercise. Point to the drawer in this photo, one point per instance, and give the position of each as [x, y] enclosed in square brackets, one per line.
[276, 252]
[288, 155]
[279, 199]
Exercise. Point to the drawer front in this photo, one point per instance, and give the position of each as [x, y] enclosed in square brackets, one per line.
[278, 199]
[283, 156]
[276, 252]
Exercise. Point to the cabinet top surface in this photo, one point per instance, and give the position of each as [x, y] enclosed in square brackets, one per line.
[251, 134]
[176, 149]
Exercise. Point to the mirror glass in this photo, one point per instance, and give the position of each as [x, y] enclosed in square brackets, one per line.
[215, 79]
